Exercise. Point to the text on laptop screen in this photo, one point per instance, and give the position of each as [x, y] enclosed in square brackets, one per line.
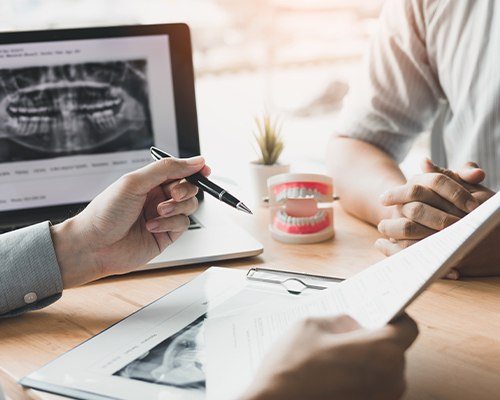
[77, 114]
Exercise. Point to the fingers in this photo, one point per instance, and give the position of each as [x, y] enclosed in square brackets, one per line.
[471, 173]
[173, 215]
[442, 185]
[428, 216]
[403, 228]
[179, 190]
[176, 223]
[453, 275]
[338, 324]
[165, 239]
[389, 248]
[171, 208]
[206, 170]
[147, 178]
[427, 166]
[415, 192]
[403, 331]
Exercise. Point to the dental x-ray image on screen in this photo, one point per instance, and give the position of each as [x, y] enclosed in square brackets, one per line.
[88, 108]
[177, 361]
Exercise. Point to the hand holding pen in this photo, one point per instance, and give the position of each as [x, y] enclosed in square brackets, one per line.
[206, 185]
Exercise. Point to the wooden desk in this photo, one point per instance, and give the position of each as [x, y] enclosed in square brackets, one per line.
[457, 355]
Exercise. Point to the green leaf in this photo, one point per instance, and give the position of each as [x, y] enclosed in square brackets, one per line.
[268, 139]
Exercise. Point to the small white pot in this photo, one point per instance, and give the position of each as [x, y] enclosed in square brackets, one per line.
[259, 173]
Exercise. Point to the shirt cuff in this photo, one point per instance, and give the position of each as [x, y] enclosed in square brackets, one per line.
[29, 271]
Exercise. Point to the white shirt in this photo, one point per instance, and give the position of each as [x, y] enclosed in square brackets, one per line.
[433, 65]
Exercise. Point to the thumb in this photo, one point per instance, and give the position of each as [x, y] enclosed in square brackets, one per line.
[339, 324]
[427, 166]
[158, 172]
[471, 173]
[460, 176]
[403, 331]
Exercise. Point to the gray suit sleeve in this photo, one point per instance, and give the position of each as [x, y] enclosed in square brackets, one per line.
[30, 277]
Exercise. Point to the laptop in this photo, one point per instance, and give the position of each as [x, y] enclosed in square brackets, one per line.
[81, 107]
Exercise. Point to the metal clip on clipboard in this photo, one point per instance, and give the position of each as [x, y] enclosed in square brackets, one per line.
[294, 282]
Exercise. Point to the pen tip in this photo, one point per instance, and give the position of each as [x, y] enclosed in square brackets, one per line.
[244, 208]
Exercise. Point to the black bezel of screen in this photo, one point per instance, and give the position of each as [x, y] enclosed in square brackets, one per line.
[184, 96]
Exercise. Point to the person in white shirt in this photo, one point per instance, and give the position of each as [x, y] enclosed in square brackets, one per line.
[432, 66]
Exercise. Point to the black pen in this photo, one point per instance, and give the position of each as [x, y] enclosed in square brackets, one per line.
[205, 184]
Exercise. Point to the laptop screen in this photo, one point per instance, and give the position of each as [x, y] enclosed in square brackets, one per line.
[77, 114]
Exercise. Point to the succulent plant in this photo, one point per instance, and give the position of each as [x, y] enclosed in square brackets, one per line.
[269, 140]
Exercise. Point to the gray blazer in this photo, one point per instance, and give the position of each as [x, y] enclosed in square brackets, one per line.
[30, 278]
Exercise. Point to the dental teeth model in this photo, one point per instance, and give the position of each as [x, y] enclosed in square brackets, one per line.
[298, 210]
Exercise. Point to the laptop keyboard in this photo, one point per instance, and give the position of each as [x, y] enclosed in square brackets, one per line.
[193, 224]
[5, 229]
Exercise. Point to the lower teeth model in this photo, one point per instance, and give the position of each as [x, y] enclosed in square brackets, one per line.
[298, 212]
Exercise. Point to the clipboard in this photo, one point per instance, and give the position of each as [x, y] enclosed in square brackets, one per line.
[293, 282]
[116, 363]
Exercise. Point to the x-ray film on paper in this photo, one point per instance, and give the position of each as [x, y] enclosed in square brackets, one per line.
[180, 360]
[177, 361]
[69, 109]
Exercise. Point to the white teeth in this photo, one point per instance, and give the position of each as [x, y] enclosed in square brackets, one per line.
[320, 216]
[44, 126]
[295, 221]
[297, 193]
[281, 216]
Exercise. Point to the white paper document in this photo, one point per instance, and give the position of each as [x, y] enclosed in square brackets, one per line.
[237, 344]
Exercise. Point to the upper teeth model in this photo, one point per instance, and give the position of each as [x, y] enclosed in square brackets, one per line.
[296, 215]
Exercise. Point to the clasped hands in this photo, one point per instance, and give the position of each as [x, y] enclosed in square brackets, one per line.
[430, 202]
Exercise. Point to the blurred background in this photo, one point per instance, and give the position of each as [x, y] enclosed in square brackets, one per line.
[292, 58]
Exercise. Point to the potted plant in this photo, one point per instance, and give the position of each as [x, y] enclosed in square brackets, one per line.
[270, 145]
